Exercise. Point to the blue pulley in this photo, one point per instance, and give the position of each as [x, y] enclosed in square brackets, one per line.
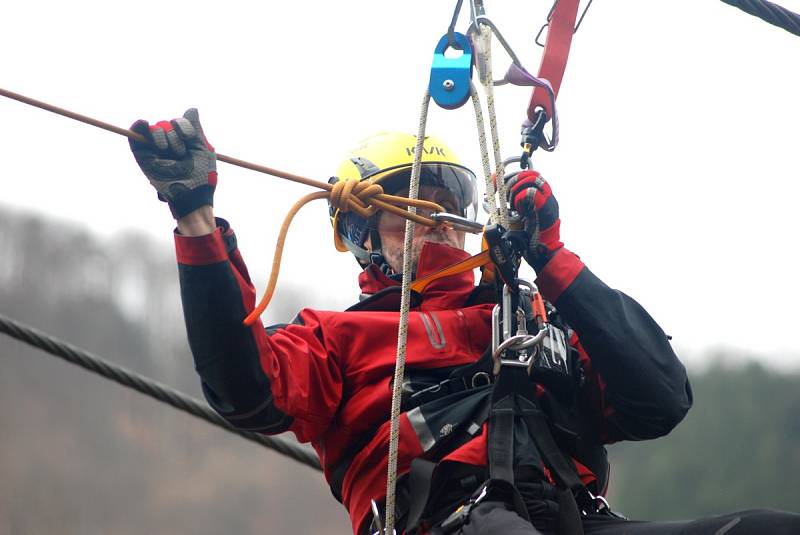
[450, 77]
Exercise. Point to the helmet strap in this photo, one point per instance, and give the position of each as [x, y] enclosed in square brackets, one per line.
[375, 255]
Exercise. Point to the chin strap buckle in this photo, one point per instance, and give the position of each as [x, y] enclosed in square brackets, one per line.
[379, 260]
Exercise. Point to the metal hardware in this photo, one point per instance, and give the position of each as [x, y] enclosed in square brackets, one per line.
[518, 342]
[480, 379]
[457, 222]
[456, 71]
[495, 328]
[528, 284]
[580, 20]
[476, 9]
[533, 137]
[550, 16]
[514, 218]
[483, 19]
[459, 517]
[521, 341]
[431, 389]
[376, 518]
[506, 312]
[601, 500]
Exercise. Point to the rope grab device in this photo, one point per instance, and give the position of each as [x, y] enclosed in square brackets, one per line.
[514, 351]
[450, 86]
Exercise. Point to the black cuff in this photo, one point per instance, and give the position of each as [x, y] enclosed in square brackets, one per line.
[538, 257]
[190, 201]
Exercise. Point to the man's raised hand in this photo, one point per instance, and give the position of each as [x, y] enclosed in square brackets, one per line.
[179, 162]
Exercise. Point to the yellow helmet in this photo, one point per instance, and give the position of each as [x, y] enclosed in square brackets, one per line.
[386, 159]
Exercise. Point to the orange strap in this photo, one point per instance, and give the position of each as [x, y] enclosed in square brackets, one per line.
[539, 311]
[480, 259]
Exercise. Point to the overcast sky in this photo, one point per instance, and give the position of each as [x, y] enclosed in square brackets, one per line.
[677, 172]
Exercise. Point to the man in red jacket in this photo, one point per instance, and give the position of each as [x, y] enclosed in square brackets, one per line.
[606, 371]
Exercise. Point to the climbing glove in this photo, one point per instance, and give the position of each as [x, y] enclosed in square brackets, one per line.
[178, 160]
[530, 195]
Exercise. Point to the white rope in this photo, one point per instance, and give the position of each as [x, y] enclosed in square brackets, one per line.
[402, 333]
[491, 198]
[485, 48]
[496, 216]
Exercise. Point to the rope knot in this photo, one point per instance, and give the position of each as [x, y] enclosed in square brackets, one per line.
[349, 195]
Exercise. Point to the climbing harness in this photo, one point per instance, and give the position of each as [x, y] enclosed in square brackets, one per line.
[449, 82]
[526, 350]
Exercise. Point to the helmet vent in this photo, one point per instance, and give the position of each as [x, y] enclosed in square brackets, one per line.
[365, 167]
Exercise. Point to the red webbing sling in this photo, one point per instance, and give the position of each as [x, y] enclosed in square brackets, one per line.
[556, 52]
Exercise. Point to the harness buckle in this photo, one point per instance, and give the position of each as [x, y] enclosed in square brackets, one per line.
[481, 379]
[602, 507]
[521, 344]
[459, 517]
[600, 503]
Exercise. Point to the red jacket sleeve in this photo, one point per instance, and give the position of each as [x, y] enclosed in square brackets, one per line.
[268, 381]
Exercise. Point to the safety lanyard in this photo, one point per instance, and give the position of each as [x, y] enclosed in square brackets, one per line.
[561, 27]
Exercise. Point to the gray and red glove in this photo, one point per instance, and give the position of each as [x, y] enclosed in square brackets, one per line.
[532, 198]
[179, 162]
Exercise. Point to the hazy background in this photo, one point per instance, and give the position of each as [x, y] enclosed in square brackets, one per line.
[79, 454]
[676, 174]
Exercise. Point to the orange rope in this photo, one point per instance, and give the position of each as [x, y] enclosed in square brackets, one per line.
[136, 137]
[276, 259]
[340, 196]
[364, 198]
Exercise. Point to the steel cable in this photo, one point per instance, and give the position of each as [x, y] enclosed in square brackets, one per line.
[768, 12]
[149, 387]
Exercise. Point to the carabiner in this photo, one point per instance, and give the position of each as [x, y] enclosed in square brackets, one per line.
[457, 222]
